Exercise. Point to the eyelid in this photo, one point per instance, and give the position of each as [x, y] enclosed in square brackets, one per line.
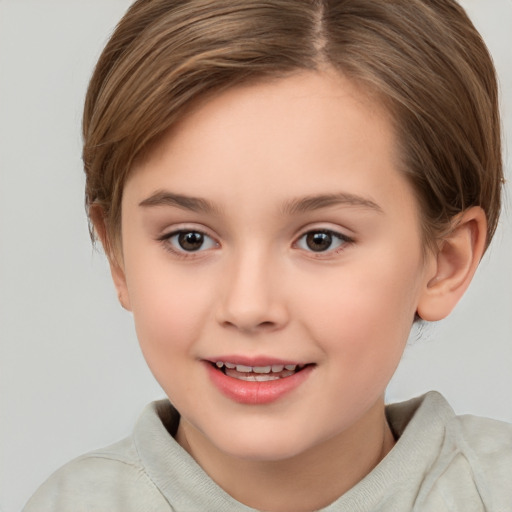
[166, 237]
[336, 233]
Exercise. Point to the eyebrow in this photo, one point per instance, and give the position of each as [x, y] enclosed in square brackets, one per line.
[299, 205]
[165, 198]
[317, 202]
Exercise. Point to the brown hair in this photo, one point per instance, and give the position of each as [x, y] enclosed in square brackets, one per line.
[424, 58]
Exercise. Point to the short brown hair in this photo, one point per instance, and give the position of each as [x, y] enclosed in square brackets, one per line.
[424, 59]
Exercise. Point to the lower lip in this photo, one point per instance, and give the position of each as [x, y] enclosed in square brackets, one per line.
[256, 393]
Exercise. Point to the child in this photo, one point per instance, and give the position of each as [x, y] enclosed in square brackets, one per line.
[282, 189]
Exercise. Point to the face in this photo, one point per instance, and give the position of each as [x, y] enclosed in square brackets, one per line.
[272, 258]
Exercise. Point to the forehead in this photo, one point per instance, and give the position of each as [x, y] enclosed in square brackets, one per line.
[302, 135]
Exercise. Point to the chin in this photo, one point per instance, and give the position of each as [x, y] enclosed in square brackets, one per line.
[264, 445]
[263, 452]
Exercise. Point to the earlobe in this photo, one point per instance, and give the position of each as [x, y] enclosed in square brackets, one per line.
[456, 261]
[119, 279]
[97, 217]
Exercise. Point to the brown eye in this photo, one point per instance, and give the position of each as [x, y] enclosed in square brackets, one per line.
[318, 241]
[321, 241]
[190, 240]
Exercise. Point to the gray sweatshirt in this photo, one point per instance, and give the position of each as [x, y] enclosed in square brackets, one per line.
[441, 462]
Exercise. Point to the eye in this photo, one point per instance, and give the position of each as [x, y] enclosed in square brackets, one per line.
[322, 240]
[189, 241]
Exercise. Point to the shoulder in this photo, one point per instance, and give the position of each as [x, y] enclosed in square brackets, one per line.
[486, 444]
[478, 436]
[474, 459]
[485, 436]
[478, 453]
[456, 462]
[107, 480]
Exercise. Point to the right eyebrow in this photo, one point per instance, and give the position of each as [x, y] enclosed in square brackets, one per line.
[317, 202]
[166, 198]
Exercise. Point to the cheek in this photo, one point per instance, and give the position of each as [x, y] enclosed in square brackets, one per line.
[169, 308]
[168, 312]
[364, 315]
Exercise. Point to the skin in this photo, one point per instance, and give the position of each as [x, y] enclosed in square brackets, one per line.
[256, 289]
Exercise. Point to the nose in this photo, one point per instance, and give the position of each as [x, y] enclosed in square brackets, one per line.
[252, 295]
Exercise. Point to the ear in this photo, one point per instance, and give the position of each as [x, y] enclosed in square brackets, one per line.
[455, 264]
[113, 253]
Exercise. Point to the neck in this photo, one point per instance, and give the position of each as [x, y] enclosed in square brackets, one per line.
[306, 482]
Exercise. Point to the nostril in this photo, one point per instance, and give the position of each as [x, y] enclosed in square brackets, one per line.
[252, 313]
[250, 327]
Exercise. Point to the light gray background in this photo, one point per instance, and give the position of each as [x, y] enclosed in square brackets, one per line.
[71, 375]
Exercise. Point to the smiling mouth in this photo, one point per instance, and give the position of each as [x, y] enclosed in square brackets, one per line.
[258, 373]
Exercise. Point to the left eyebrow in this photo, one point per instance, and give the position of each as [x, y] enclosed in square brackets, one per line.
[165, 198]
[316, 202]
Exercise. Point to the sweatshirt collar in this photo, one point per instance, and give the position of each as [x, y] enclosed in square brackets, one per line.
[419, 425]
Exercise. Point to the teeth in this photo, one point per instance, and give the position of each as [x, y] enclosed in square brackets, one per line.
[259, 377]
[261, 370]
[255, 377]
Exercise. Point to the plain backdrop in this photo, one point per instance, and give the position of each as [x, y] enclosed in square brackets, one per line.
[71, 375]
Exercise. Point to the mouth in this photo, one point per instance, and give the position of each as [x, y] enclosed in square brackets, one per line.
[265, 373]
[259, 381]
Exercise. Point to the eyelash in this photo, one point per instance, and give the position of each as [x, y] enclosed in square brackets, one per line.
[168, 244]
[343, 241]
[172, 247]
